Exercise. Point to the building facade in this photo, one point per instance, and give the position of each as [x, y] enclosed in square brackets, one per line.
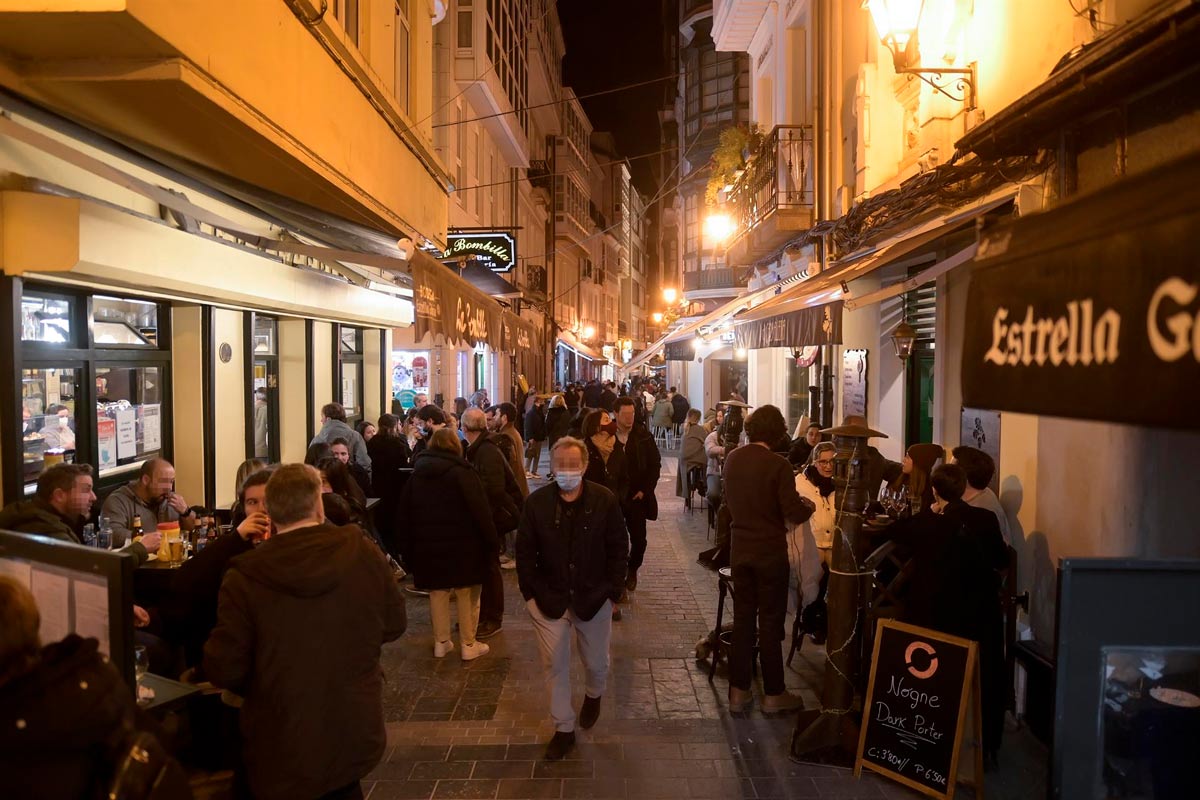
[237, 212]
[907, 155]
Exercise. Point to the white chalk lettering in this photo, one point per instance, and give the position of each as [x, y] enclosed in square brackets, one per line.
[896, 688]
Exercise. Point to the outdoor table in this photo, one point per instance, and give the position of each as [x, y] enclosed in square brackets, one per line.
[152, 583]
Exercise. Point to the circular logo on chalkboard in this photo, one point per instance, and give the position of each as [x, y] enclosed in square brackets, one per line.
[926, 648]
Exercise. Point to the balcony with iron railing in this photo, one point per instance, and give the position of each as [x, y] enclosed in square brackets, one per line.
[715, 279]
[772, 199]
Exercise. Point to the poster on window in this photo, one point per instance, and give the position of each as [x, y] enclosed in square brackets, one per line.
[410, 371]
[126, 433]
[854, 383]
[151, 427]
[106, 442]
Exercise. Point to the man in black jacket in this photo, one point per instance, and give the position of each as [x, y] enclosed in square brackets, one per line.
[572, 550]
[644, 464]
[504, 498]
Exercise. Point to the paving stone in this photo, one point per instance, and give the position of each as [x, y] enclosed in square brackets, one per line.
[436, 770]
[563, 769]
[503, 769]
[599, 788]
[465, 790]
[529, 789]
[402, 790]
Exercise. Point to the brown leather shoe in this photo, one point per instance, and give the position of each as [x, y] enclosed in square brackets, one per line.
[740, 700]
[778, 703]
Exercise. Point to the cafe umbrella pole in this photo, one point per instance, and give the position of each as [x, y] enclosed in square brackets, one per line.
[829, 735]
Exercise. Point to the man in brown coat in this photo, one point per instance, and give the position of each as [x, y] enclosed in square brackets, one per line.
[504, 420]
[300, 623]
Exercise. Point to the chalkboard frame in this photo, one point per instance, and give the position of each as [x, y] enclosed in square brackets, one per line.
[970, 691]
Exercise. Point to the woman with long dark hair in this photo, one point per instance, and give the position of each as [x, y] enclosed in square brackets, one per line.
[390, 454]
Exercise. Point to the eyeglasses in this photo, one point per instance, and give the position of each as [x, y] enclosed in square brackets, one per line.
[825, 462]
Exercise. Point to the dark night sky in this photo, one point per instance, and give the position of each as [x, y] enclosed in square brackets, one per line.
[611, 43]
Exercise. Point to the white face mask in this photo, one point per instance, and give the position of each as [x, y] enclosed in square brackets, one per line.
[568, 481]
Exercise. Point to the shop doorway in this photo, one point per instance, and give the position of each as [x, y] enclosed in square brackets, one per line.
[920, 309]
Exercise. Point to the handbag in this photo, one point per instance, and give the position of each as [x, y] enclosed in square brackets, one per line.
[144, 770]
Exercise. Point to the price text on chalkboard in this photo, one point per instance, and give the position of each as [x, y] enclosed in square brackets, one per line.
[921, 684]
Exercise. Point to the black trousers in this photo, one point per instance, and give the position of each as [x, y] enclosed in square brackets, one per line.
[491, 595]
[760, 588]
[635, 522]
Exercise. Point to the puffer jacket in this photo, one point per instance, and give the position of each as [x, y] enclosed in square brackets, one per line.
[449, 534]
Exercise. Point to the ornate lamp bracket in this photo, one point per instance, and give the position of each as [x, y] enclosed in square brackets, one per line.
[949, 81]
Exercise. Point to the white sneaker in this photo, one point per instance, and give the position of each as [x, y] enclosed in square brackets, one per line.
[440, 649]
[470, 652]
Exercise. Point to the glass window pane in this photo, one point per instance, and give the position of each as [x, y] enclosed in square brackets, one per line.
[351, 372]
[266, 383]
[119, 321]
[45, 318]
[264, 335]
[48, 418]
[350, 340]
[129, 423]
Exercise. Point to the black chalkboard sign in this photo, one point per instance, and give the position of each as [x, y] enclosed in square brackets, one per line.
[921, 686]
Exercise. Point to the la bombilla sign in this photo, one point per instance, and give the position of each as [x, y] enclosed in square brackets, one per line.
[497, 251]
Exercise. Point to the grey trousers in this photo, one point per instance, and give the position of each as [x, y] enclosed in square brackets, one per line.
[554, 643]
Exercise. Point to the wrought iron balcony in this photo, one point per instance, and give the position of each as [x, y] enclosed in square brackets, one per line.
[715, 278]
[773, 197]
[539, 174]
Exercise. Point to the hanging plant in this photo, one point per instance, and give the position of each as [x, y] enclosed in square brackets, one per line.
[735, 148]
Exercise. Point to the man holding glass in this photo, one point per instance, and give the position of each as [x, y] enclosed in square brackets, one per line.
[152, 498]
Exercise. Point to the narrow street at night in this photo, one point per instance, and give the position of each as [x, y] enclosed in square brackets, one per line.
[478, 730]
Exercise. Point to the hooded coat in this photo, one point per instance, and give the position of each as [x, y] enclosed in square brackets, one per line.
[62, 724]
[449, 533]
[300, 623]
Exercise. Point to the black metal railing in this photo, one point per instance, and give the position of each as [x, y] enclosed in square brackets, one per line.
[539, 174]
[779, 175]
[715, 278]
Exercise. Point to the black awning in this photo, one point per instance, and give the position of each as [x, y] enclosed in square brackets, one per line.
[484, 279]
[804, 327]
[1092, 310]
[682, 350]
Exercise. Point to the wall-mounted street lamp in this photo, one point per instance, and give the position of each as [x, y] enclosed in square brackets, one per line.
[589, 332]
[670, 294]
[718, 227]
[904, 339]
[896, 22]
[657, 317]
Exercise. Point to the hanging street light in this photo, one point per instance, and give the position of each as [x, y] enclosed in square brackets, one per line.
[718, 227]
[904, 338]
[896, 22]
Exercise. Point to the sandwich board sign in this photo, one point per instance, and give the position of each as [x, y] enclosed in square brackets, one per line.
[915, 712]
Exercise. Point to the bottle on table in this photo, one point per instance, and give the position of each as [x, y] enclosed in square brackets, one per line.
[104, 535]
[136, 531]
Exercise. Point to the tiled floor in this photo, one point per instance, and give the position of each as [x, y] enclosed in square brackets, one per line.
[478, 730]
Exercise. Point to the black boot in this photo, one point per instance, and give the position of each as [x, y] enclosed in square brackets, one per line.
[590, 712]
[560, 744]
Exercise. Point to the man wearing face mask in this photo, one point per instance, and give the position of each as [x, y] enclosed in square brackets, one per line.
[572, 553]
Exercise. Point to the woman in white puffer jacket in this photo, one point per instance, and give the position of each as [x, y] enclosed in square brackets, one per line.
[815, 483]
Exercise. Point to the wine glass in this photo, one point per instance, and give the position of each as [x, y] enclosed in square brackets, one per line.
[141, 663]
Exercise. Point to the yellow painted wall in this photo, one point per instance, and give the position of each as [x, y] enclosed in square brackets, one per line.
[229, 395]
[293, 391]
[372, 392]
[187, 401]
[322, 388]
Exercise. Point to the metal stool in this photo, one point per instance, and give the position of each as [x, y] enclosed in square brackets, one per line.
[720, 639]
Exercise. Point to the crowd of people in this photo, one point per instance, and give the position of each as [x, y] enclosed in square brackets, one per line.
[305, 588]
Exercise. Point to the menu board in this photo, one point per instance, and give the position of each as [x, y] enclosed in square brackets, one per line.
[915, 709]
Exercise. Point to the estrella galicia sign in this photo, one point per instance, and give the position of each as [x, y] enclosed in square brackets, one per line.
[496, 251]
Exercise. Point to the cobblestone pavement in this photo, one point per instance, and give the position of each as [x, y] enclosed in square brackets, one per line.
[478, 730]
